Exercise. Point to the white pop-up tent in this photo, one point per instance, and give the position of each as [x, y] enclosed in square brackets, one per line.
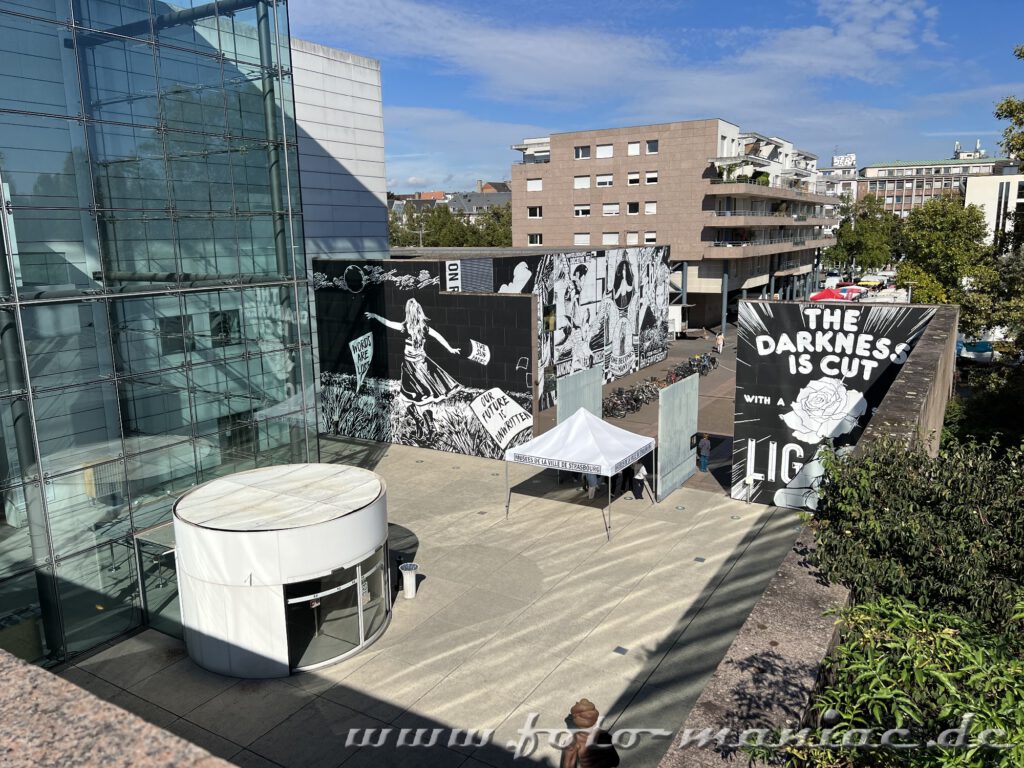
[581, 443]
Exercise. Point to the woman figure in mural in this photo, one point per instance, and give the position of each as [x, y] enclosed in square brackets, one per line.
[623, 288]
[576, 332]
[423, 380]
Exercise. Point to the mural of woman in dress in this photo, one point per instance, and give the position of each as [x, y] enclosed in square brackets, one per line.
[423, 380]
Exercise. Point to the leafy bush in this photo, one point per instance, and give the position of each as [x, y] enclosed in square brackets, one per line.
[992, 410]
[903, 667]
[946, 533]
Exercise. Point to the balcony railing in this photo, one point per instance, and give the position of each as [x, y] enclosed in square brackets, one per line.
[752, 183]
[772, 241]
[773, 214]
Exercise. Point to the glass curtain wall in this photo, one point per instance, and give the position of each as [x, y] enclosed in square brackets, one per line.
[154, 323]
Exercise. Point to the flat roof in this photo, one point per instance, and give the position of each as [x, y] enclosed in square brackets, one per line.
[914, 163]
[279, 497]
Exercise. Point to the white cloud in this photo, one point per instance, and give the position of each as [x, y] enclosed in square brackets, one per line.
[783, 81]
[456, 149]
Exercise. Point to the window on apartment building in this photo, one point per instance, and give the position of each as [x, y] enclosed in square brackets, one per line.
[633, 178]
[610, 238]
[947, 183]
[650, 238]
[945, 170]
[908, 185]
[632, 238]
[917, 198]
[604, 179]
[904, 214]
[581, 238]
[899, 198]
[633, 148]
[604, 150]
[651, 177]
[534, 185]
[581, 182]
[535, 238]
[919, 184]
[610, 209]
[651, 207]
[581, 210]
[872, 186]
[652, 146]
[919, 172]
[582, 152]
[888, 199]
[890, 185]
[535, 212]
[632, 209]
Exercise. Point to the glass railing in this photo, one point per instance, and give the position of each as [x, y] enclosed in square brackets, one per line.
[775, 185]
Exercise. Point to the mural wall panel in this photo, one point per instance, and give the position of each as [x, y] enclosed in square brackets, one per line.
[407, 347]
[807, 374]
[403, 362]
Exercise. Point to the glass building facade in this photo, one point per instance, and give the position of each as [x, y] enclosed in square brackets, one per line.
[154, 323]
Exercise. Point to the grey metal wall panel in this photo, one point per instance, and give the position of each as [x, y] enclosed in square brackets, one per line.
[582, 389]
[677, 422]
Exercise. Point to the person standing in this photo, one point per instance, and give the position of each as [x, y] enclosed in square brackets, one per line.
[704, 451]
[720, 342]
[639, 474]
[592, 481]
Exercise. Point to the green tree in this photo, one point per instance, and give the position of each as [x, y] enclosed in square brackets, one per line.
[947, 261]
[868, 236]
[1012, 109]
[496, 226]
[946, 239]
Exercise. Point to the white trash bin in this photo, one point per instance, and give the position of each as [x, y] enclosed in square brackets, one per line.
[409, 579]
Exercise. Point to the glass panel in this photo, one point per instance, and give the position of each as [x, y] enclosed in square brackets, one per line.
[77, 427]
[21, 624]
[16, 410]
[15, 545]
[138, 250]
[157, 478]
[159, 584]
[119, 78]
[67, 343]
[321, 629]
[34, 56]
[221, 397]
[103, 14]
[98, 593]
[128, 163]
[152, 407]
[375, 594]
[87, 507]
[50, 9]
[151, 334]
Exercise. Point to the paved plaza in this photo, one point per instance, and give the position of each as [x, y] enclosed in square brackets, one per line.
[513, 617]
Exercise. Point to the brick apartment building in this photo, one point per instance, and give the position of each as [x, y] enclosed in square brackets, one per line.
[739, 210]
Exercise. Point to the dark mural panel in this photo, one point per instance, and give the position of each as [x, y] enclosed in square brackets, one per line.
[403, 362]
[807, 374]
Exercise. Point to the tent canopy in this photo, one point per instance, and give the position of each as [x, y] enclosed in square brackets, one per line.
[583, 443]
[829, 294]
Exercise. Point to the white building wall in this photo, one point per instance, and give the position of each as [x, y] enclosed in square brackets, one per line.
[983, 191]
[341, 152]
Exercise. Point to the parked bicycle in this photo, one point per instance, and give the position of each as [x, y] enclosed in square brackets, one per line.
[625, 401]
[703, 363]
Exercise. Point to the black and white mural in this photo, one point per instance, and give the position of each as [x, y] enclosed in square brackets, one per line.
[807, 374]
[607, 308]
[403, 362]
[450, 354]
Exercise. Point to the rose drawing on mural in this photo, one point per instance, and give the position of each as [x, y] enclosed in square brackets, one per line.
[824, 408]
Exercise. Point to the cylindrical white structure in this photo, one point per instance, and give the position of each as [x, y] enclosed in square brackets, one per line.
[282, 568]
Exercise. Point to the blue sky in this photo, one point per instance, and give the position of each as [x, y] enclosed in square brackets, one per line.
[462, 81]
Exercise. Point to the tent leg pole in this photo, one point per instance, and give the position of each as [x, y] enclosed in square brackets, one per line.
[608, 530]
[508, 492]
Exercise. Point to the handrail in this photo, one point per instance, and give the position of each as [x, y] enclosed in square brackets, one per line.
[753, 183]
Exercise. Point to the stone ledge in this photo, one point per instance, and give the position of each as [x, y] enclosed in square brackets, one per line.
[49, 721]
[770, 671]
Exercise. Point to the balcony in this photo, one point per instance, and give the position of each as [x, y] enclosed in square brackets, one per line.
[768, 191]
[755, 160]
[748, 218]
[748, 249]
